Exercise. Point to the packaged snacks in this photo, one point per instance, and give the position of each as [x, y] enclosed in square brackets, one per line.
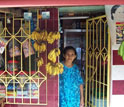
[10, 65]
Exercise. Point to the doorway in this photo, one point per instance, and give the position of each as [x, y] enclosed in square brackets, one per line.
[90, 35]
[73, 29]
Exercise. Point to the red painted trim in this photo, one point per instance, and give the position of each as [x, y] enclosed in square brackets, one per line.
[117, 60]
[26, 3]
[118, 87]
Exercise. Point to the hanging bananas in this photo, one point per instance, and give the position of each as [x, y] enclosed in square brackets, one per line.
[57, 35]
[36, 34]
[40, 37]
[40, 47]
[54, 69]
[61, 67]
[40, 62]
[57, 51]
[45, 34]
[53, 54]
[52, 36]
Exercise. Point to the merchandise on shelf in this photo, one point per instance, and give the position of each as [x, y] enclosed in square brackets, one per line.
[11, 87]
[10, 65]
[34, 93]
[12, 93]
[25, 93]
[2, 90]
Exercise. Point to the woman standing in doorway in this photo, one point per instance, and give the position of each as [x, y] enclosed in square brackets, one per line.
[70, 81]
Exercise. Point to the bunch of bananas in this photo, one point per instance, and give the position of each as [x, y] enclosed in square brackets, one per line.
[40, 47]
[57, 51]
[40, 62]
[53, 54]
[57, 35]
[121, 50]
[44, 35]
[36, 34]
[54, 69]
[39, 35]
[52, 36]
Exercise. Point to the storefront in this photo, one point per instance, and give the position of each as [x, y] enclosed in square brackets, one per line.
[23, 81]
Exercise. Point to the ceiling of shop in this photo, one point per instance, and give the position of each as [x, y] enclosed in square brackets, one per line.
[83, 10]
[63, 11]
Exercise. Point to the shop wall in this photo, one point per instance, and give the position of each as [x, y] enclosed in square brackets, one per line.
[115, 20]
[52, 81]
[52, 25]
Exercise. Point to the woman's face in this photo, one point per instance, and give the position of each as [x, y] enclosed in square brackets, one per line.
[119, 14]
[70, 56]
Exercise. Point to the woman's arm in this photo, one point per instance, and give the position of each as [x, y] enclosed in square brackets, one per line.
[82, 96]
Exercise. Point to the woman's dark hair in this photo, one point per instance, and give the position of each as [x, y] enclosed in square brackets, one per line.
[69, 48]
[113, 9]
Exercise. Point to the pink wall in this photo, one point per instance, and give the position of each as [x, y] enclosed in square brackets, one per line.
[20, 3]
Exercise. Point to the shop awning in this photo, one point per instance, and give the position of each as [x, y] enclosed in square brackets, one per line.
[27, 3]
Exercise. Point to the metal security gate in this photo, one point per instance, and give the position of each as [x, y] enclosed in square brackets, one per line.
[97, 63]
[21, 80]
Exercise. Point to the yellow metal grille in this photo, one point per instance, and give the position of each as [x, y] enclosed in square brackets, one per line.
[22, 84]
[97, 63]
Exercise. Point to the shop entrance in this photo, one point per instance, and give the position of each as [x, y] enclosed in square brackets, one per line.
[94, 41]
[93, 50]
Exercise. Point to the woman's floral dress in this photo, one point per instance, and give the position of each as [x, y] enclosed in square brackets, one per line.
[69, 87]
